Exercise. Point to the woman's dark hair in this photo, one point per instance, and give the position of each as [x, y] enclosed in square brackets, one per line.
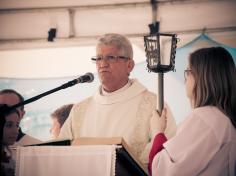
[215, 80]
[10, 112]
[11, 91]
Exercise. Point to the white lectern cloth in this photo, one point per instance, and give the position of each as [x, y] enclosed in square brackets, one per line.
[66, 160]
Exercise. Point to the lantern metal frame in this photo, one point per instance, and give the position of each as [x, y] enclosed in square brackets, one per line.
[153, 53]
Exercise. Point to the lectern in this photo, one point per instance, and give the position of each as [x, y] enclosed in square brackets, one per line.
[82, 156]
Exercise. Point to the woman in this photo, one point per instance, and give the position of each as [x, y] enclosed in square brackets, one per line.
[10, 132]
[205, 143]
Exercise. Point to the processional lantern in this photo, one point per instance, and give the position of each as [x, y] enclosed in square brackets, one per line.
[155, 59]
[160, 51]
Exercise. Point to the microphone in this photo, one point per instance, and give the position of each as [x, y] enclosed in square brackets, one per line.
[88, 77]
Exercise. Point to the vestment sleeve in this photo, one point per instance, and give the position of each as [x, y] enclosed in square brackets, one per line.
[157, 146]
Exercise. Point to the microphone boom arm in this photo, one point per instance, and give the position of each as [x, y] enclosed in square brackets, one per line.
[6, 109]
[64, 86]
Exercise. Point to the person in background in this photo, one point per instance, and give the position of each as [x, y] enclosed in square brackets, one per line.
[58, 118]
[121, 107]
[205, 143]
[10, 133]
[11, 97]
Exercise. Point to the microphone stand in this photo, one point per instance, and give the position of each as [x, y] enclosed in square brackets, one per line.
[7, 109]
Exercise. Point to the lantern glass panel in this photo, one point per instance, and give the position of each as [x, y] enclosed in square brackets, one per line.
[165, 49]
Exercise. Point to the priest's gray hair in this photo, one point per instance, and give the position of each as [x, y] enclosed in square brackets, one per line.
[120, 41]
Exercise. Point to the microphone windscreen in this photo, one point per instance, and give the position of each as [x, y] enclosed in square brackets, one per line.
[90, 77]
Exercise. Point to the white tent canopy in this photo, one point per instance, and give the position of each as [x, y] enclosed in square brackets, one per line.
[25, 51]
[83, 21]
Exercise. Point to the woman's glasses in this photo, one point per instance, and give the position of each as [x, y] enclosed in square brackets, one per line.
[187, 72]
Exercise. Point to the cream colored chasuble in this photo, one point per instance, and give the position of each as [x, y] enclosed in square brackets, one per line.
[115, 115]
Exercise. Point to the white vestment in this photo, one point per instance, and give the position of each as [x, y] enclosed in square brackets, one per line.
[205, 145]
[125, 113]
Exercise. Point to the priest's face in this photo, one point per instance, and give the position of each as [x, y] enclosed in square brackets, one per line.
[113, 67]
